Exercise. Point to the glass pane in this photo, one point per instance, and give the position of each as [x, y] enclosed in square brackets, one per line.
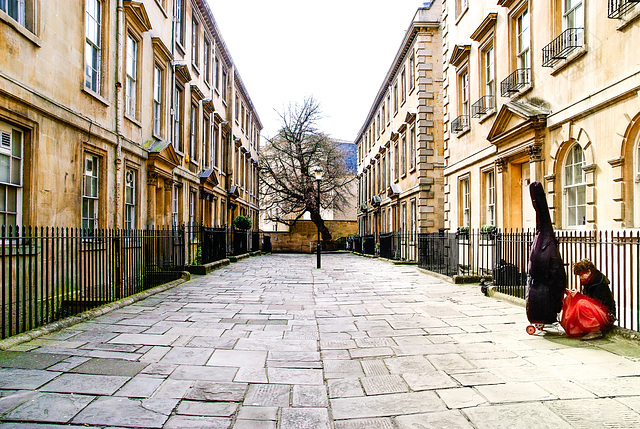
[3, 198]
[571, 197]
[5, 167]
[2, 219]
[12, 199]
[16, 171]
[582, 213]
[581, 195]
[94, 187]
[571, 216]
[16, 147]
[11, 219]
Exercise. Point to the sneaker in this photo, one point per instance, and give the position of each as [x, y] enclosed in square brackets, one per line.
[592, 336]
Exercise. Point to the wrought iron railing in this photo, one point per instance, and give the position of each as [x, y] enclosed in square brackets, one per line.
[460, 124]
[51, 273]
[560, 48]
[618, 8]
[515, 82]
[484, 105]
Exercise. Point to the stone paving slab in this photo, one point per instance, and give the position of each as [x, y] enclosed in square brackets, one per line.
[274, 343]
[50, 408]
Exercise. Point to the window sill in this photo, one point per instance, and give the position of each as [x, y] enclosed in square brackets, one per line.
[133, 120]
[4, 17]
[488, 115]
[195, 68]
[95, 95]
[579, 53]
[463, 132]
[180, 47]
[626, 20]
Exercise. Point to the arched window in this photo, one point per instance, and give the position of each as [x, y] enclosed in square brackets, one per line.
[575, 188]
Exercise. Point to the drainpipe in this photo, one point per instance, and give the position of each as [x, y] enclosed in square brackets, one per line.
[117, 218]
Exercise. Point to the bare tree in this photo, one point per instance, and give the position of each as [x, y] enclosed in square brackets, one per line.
[288, 188]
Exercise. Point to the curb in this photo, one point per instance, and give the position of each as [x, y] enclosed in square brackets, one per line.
[89, 314]
[202, 270]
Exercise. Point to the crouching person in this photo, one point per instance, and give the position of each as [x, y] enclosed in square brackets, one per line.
[589, 313]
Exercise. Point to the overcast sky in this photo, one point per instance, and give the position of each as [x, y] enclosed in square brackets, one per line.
[337, 51]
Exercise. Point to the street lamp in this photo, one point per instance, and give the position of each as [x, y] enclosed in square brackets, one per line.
[318, 172]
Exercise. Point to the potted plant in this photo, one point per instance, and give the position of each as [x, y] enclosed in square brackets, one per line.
[242, 222]
[488, 231]
[462, 232]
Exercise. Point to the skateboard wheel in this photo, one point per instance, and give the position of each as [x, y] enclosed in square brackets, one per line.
[531, 329]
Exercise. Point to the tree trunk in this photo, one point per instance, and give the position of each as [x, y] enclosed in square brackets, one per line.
[319, 222]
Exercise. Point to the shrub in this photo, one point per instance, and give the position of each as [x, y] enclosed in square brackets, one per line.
[242, 222]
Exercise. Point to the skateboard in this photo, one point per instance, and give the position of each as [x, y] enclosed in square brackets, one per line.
[534, 328]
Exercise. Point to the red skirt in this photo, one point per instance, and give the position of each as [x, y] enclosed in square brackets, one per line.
[582, 314]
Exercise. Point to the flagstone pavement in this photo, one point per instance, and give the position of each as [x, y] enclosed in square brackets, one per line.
[271, 342]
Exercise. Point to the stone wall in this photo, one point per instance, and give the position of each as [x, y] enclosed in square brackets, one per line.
[303, 235]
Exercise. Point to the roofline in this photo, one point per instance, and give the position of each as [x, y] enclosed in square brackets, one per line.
[407, 41]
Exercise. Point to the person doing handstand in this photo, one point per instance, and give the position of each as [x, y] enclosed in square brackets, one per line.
[591, 313]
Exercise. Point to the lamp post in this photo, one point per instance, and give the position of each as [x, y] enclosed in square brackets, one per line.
[318, 171]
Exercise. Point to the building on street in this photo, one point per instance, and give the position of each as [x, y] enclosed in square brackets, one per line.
[125, 114]
[541, 91]
[400, 147]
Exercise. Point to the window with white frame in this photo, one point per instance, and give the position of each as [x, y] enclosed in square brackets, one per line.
[465, 202]
[132, 76]
[488, 67]
[395, 98]
[178, 119]
[90, 192]
[11, 165]
[216, 71]
[130, 199]
[93, 45]
[195, 43]
[523, 40]
[206, 141]
[461, 6]
[192, 207]
[575, 187]
[414, 224]
[404, 154]
[573, 14]
[489, 197]
[403, 85]
[179, 21]
[412, 70]
[463, 95]
[412, 148]
[193, 130]
[175, 206]
[157, 100]
[396, 163]
[207, 61]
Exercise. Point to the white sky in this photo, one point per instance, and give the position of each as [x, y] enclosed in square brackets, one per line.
[338, 51]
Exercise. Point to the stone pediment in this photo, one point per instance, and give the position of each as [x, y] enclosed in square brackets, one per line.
[460, 55]
[208, 178]
[234, 192]
[137, 14]
[162, 157]
[515, 118]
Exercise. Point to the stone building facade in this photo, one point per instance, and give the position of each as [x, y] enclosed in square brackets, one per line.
[542, 91]
[400, 148]
[122, 114]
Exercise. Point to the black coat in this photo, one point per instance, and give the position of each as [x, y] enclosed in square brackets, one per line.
[597, 287]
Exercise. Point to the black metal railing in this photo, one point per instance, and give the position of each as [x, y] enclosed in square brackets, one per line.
[484, 105]
[50, 273]
[504, 256]
[515, 82]
[369, 244]
[618, 8]
[459, 124]
[560, 48]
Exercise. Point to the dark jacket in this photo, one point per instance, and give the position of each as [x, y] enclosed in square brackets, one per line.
[597, 287]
